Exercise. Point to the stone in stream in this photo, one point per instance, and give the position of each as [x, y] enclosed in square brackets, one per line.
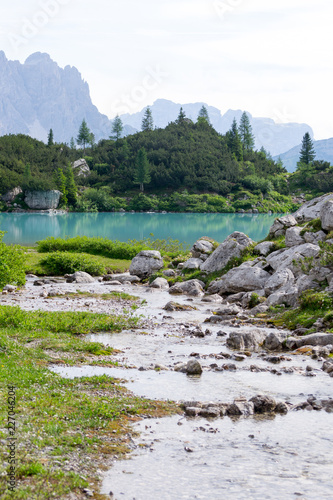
[274, 341]
[215, 298]
[314, 339]
[246, 340]
[175, 306]
[192, 367]
[146, 263]
[9, 288]
[79, 277]
[160, 283]
[240, 407]
[263, 404]
[191, 287]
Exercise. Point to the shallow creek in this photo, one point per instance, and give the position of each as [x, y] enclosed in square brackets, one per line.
[174, 458]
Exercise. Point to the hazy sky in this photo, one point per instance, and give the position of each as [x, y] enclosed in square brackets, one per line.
[272, 58]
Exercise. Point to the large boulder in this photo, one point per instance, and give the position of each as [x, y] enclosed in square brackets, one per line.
[42, 200]
[81, 168]
[326, 215]
[281, 224]
[246, 340]
[192, 263]
[240, 279]
[231, 247]
[278, 280]
[160, 283]
[285, 258]
[311, 209]
[316, 339]
[201, 247]
[287, 295]
[146, 263]
[264, 248]
[293, 236]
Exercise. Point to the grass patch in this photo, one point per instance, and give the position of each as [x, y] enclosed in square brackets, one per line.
[68, 429]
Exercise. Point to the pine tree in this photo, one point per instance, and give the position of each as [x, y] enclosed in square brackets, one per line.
[61, 185]
[147, 124]
[181, 117]
[91, 139]
[50, 140]
[234, 141]
[84, 135]
[71, 187]
[142, 175]
[307, 152]
[203, 116]
[117, 128]
[245, 132]
[72, 143]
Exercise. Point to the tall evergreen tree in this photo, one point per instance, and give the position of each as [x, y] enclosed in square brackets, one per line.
[181, 116]
[245, 132]
[72, 143]
[307, 152]
[147, 121]
[203, 116]
[142, 174]
[50, 140]
[71, 187]
[117, 128]
[61, 185]
[91, 139]
[84, 135]
[234, 141]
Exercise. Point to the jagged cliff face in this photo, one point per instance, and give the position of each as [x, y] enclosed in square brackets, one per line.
[39, 95]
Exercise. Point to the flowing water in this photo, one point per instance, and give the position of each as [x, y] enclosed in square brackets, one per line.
[26, 229]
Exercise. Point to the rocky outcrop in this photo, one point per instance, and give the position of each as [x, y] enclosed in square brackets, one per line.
[264, 248]
[11, 195]
[311, 209]
[278, 280]
[231, 247]
[326, 215]
[283, 259]
[42, 200]
[281, 225]
[146, 263]
[240, 279]
[81, 168]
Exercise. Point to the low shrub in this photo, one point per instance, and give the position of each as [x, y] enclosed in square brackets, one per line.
[59, 263]
[12, 261]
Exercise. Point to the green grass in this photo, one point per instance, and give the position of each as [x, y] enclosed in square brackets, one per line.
[34, 263]
[63, 422]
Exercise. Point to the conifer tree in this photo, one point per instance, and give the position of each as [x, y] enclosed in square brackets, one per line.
[203, 116]
[71, 187]
[234, 141]
[181, 116]
[147, 121]
[72, 143]
[142, 174]
[84, 135]
[307, 153]
[61, 185]
[50, 140]
[245, 132]
[117, 128]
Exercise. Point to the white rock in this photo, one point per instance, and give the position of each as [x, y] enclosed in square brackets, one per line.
[146, 263]
[201, 247]
[229, 248]
[293, 236]
[304, 282]
[264, 248]
[190, 287]
[240, 279]
[287, 295]
[278, 280]
[192, 263]
[160, 283]
[311, 209]
[281, 224]
[326, 215]
[314, 237]
[282, 259]
[79, 277]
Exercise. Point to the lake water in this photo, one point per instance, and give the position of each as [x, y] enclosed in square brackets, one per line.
[26, 229]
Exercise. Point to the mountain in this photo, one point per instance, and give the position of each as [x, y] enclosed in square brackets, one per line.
[323, 148]
[274, 137]
[39, 95]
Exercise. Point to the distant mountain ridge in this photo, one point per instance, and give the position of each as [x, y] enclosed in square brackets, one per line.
[39, 95]
[323, 149]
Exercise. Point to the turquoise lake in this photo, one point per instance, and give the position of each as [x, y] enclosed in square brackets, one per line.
[26, 229]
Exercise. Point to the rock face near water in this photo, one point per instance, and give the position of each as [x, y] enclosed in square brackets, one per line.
[146, 263]
[312, 209]
[231, 247]
[42, 200]
[11, 195]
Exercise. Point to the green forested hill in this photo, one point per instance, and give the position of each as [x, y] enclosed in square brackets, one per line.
[185, 157]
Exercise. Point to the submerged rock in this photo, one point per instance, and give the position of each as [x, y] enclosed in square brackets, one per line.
[174, 306]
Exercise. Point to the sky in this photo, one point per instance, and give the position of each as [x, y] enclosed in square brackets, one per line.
[270, 58]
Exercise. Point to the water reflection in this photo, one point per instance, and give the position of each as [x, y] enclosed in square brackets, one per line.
[26, 229]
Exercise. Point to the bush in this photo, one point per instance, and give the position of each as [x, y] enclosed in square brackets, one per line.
[12, 261]
[59, 263]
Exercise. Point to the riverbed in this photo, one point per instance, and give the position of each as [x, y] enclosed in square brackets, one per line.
[281, 456]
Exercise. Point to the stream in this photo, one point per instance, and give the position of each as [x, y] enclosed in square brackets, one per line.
[259, 457]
